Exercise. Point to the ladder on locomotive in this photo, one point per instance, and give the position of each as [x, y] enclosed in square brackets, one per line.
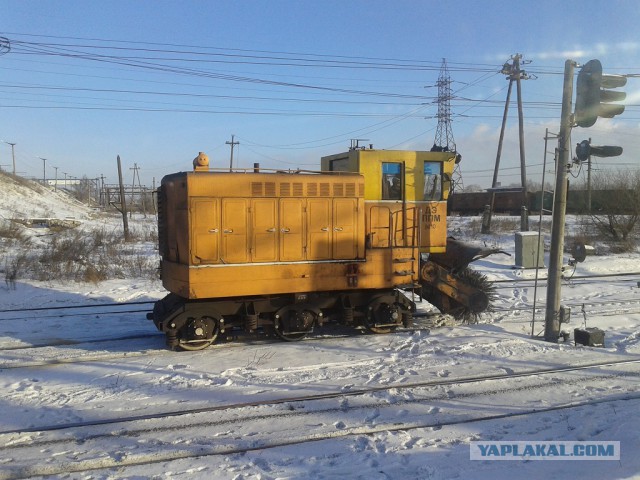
[405, 229]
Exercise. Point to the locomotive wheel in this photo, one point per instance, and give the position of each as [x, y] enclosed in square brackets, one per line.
[382, 317]
[198, 333]
[293, 324]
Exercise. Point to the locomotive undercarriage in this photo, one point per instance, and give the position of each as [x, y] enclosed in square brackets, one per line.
[196, 324]
[445, 280]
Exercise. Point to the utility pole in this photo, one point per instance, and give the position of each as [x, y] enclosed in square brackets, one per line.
[552, 314]
[96, 182]
[44, 170]
[496, 169]
[55, 185]
[589, 182]
[13, 156]
[232, 143]
[547, 136]
[133, 187]
[514, 74]
[154, 198]
[133, 184]
[523, 166]
[123, 204]
[102, 197]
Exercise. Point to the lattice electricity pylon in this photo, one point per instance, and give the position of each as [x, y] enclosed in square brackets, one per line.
[457, 185]
[444, 136]
[444, 141]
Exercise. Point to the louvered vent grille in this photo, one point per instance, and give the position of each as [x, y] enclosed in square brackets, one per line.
[257, 189]
[350, 189]
[312, 189]
[285, 189]
[269, 189]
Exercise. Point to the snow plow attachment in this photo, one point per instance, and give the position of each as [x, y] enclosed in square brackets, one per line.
[452, 287]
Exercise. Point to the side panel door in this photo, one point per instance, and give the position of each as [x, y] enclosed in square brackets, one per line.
[205, 231]
[345, 231]
[319, 229]
[291, 213]
[235, 245]
[264, 230]
[379, 226]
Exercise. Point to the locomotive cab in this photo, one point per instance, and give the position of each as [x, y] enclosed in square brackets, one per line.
[405, 195]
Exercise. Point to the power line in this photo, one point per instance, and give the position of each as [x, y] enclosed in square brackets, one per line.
[203, 95]
[345, 60]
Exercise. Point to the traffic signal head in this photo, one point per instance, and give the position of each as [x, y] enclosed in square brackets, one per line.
[592, 96]
[584, 150]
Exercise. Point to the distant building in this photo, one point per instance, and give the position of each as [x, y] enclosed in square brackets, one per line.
[62, 183]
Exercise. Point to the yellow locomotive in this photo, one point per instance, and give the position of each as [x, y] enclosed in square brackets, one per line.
[284, 251]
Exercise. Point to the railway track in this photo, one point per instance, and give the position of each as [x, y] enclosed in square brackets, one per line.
[575, 279]
[71, 342]
[210, 430]
[134, 308]
[243, 427]
[17, 353]
[30, 314]
[48, 354]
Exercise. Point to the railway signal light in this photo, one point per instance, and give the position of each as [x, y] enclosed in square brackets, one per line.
[593, 94]
[584, 150]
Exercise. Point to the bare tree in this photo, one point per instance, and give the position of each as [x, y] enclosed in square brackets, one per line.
[473, 188]
[615, 203]
[84, 189]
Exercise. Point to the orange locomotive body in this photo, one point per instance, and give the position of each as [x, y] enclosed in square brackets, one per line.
[283, 252]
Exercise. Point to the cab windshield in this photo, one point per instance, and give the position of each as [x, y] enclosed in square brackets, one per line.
[432, 181]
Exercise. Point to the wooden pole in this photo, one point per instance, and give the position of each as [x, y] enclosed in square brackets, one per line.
[123, 204]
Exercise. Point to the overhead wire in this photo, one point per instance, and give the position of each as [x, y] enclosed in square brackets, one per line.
[201, 73]
[175, 59]
[62, 50]
[344, 60]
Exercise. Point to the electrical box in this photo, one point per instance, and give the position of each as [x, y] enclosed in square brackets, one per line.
[529, 250]
[590, 337]
[564, 314]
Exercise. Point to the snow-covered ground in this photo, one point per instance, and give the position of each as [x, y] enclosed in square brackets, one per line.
[407, 404]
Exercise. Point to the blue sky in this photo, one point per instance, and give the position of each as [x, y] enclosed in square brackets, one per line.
[156, 81]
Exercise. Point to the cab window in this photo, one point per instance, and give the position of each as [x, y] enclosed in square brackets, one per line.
[432, 181]
[391, 181]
